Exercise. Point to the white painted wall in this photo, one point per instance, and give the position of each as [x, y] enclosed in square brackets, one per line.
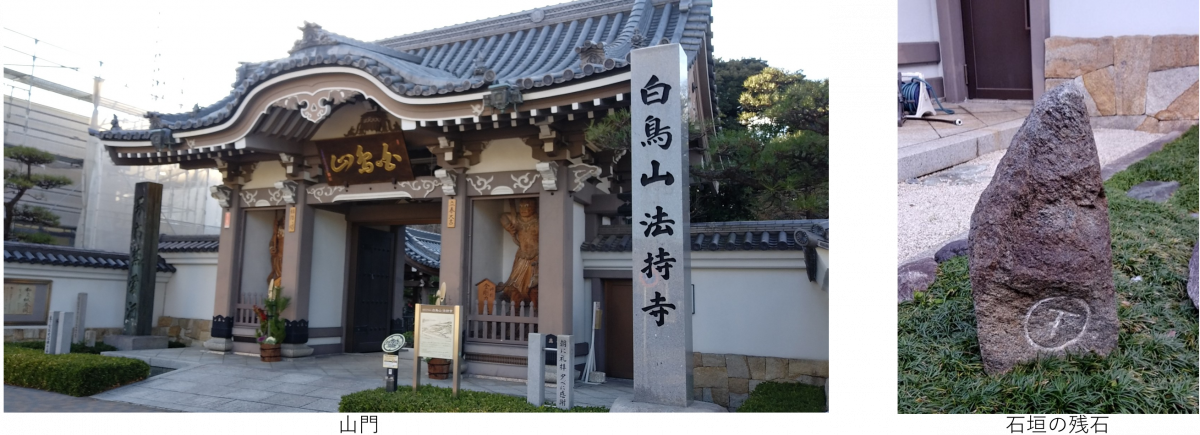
[328, 270]
[191, 291]
[757, 303]
[504, 155]
[917, 22]
[492, 248]
[256, 251]
[105, 289]
[1095, 18]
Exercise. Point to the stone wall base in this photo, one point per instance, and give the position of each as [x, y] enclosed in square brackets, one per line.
[728, 379]
[190, 332]
[14, 334]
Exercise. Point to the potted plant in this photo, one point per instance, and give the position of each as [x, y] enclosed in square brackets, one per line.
[271, 329]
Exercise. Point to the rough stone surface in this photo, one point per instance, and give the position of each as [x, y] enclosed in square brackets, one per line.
[720, 396]
[1164, 87]
[758, 367]
[697, 359]
[951, 250]
[1052, 83]
[626, 404]
[1041, 261]
[1087, 98]
[1102, 87]
[698, 393]
[1149, 125]
[1193, 280]
[753, 383]
[736, 367]
[915, 277]
[1131, 63]
[713, 360]
[1184, 107]
[1123, 122]
[777, 368]
[1173, 51]
[736, 400]
[1180, 125]
[739, 385]
[797, 367]
[1072, 57]
[136, 342]
[1156, 191]
[709, 377]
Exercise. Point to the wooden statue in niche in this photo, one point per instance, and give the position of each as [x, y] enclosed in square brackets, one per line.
[275, 278]
[522, 224]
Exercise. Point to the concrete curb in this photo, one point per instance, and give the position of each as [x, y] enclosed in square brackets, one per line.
[929, 157]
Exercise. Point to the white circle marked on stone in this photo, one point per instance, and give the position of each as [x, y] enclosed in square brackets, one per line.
[1057, 322]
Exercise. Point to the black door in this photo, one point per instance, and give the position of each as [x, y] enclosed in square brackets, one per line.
[372, 289]
[996, 38]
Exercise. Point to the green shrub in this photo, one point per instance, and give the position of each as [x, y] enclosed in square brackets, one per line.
[75, 347]
[784, 397]
[429, 398]
[76, 374]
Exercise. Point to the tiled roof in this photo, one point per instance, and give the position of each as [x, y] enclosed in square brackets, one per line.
[199, 243]
[16, 252]
[727, 236]
[530, 49]
[423, 247]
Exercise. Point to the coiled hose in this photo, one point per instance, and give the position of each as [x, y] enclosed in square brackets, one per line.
[911, 92]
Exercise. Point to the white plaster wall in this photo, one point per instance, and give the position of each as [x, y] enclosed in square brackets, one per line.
[1095, 18]
[328, 270]
[487, 237]
[266, 173]
[749, 302]
[105, 289]
[191, 291]
[917, 22]
[581, 295]
[256, 251]
[505, 155]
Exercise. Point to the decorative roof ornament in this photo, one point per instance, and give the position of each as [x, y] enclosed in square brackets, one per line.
[638, 41]
[374, 121]
[501, 96]
[591, 53]
[313, 36]
[482, 71]
[116, 125]
[155, 119]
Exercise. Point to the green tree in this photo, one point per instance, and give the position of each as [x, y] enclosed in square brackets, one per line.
[19, 182]
[781, 158]
[731, 77]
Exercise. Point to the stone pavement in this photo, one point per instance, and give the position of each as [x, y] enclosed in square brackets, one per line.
[207, 382]
[19, 399]
[987, 125]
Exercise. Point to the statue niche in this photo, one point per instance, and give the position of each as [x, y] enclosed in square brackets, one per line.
[522, 224]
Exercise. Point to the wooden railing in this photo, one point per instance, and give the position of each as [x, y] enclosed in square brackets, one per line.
[243, 311]
[499, 321]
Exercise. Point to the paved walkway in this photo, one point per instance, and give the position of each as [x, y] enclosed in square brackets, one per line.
[18, 399]
[987, 126]
[208, 382]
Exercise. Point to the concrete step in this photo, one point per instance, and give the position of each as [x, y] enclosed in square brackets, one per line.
[929, 157]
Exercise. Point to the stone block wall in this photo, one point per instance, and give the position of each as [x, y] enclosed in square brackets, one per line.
[728, 379]
[1137, 82]
[30, 334]
[191, 332]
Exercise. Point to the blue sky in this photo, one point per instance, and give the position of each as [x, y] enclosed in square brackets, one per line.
[190, 49]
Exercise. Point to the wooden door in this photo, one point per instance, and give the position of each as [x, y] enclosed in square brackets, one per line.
[996, 38]
[373, 285]
[618, 325]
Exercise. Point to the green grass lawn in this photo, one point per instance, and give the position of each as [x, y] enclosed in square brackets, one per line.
[785, 397]
[1154, 368]
[429, 398]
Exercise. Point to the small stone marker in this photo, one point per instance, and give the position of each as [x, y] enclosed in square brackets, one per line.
[89, 338]
[80, 317]
[914, 277]
[52, 332]
[1193, 281]
[1040, 253]
[565, 396]
[535, 380]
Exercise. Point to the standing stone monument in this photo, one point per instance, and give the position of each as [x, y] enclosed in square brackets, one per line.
[143, 259]
[662, 321]
[535, 380]
[80, 317]
[52, 332]
[1040, 254]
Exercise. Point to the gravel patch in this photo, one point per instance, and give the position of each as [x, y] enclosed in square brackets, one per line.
[937, 207]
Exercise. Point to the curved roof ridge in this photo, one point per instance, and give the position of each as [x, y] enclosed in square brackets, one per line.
[522, 20]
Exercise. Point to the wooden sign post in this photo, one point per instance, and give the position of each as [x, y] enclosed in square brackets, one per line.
[437, 336]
